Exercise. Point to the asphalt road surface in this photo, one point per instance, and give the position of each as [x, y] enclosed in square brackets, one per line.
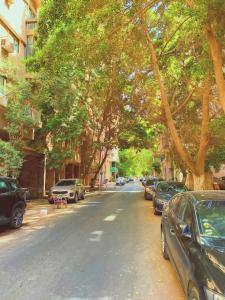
[106, 249]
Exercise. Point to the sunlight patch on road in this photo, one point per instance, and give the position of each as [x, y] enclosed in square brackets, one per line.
[119, 210]
[110, 218]
[97, 236]
[122, 191]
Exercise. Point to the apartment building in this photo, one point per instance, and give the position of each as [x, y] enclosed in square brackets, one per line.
[17, 26]
[18, 19]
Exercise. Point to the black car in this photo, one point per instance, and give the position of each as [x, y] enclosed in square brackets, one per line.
[149, 187]
[193, 237]
[164, 191]
[12, 203]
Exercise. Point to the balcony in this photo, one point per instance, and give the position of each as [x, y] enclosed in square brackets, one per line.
[30, 26]
[7, 45]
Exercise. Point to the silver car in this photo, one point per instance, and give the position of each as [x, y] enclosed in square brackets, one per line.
[71, 190]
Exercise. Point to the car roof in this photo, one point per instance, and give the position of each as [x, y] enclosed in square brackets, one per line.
[207, 195]
[7, 178]
[171, 182]
[68, 179]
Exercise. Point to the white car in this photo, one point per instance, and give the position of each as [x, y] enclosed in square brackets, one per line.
[70, 189]
[120, 181]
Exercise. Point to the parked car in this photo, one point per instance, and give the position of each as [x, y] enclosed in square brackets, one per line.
[142, 179]
[163, 192]
[193, 238]
[70, 189]
[120, 181]
[127, 179]
[149, 187]
[12, 203]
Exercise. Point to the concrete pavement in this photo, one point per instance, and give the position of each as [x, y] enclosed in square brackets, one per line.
[105, 248]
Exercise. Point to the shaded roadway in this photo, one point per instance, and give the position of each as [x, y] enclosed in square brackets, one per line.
[108, 248]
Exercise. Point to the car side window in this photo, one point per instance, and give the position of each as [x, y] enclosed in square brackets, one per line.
[175, 202]
[184, 215]
[181, 210]
[3, 187]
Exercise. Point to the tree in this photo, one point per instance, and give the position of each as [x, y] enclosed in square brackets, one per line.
[10, 160]
[135, 163]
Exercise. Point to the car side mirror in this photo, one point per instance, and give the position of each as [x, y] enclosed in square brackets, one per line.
[185, 231]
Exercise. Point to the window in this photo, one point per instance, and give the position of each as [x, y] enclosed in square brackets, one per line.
[175, 204]
[184, 214]
[3, 187]
[16, 46]
[2, 85]
[181, 209]
[30, 46]
[29, 13]
[13, 184]
[31, 25]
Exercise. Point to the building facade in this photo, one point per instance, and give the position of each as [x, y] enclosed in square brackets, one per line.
[18, 20]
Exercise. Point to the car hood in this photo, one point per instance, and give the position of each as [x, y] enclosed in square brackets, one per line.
[215, 253]
[63, 188]
[165, 195]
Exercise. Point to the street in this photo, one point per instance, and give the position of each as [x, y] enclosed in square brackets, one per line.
[107, 247]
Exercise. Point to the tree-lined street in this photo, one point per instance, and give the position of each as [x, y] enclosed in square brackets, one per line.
[108, 248]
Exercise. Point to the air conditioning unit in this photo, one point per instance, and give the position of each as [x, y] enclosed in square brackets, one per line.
[6, 45]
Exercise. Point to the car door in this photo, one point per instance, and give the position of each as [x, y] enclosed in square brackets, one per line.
[181, 246]
[169, 223]
[6, 201]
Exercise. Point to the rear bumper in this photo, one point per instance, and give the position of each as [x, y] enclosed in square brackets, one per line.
[148, 196]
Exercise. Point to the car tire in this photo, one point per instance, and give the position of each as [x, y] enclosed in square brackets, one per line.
[164, 245]
[82, 196]
[155, 212]
[16, 218]
[147, 196]
[194, 294]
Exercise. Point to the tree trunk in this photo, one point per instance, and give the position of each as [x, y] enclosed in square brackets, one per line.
[180, 149]
[202, 181]
[216, 54]
[199, 182]
[101, 164]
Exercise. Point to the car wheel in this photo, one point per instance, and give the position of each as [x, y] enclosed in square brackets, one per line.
[17, 218]
[194, 294]
[164, 245]
[155, 212]
[146, 196]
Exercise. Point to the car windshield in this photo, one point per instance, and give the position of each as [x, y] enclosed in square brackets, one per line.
[150, 182]
[65, 183]
[171, 187]
[13, 184]
[211, 221]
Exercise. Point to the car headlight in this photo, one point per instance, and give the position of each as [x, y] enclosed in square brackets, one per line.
[211, 295]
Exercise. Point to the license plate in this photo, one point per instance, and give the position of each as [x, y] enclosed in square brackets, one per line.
[58, 197]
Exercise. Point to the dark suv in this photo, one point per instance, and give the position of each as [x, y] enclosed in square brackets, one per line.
[12, 203]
